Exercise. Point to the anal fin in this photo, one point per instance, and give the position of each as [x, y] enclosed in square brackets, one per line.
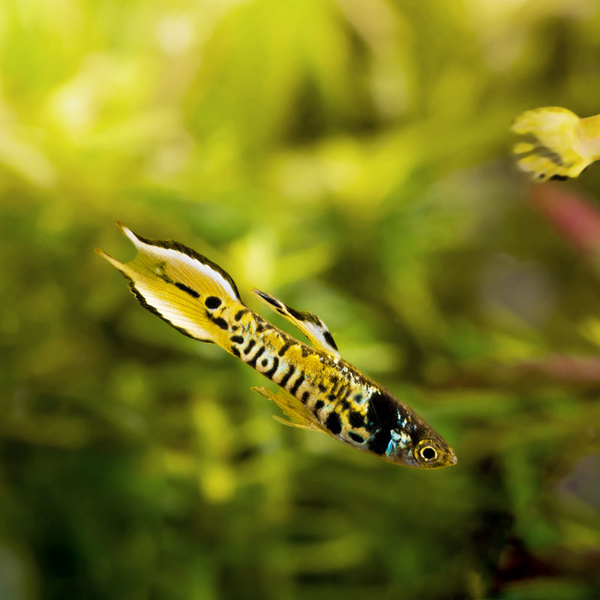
[299, 415]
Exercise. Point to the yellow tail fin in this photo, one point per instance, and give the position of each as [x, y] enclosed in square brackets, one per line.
[557, 146]
[182, 287]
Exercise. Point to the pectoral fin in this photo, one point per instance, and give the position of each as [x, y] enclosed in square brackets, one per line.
[308, 323]
[299, 415]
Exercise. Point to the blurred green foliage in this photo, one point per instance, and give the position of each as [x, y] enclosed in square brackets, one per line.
[350, 156]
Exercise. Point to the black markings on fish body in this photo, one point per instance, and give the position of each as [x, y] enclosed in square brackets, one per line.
[218, 321]
[249, 347]
[211, 302]
[237, 339]
[235, 351]
[381, 414]
[298, 383]
[305, 397]
[356, 419]
[321, 387]
[274, 368]
[334, 423]
[264, 362]
[257, 355]
[319, 404]
[287, 376]
[380, 441]
[344, 405]
[284, 348]
[355, 437]
[240, 313]
[336, 382]
[188, 290]
[306, 350]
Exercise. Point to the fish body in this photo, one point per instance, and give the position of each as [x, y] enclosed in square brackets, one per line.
[558, 143]
[319, 390]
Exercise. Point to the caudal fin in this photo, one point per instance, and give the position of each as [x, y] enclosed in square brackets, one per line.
[554, 147]
[182, 287]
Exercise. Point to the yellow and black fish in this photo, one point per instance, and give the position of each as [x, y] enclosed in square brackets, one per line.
[320, 390]
[559, 144]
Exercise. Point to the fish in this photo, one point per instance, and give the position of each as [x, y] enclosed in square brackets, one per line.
[558, 145]
[319, 390]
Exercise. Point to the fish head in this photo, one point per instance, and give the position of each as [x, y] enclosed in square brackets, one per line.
[418, 445]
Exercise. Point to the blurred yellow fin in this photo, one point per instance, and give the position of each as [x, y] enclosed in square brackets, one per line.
[299, 415]
[557, 146]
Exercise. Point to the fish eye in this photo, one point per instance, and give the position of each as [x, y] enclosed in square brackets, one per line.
[428, 453]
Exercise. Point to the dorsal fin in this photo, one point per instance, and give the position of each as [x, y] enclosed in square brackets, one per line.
[308, 323]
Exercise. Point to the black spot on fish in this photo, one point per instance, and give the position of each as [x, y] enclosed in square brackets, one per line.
[306, 350]
[305, 397]
[319, 404]
[284, 348]
[382, 413]
[188, 290]
[220, 322]
[264, 362]
[249, 347]
[213, 302]
[356, 419]
[237, 339]
[257, 355]
[329, 339]
[321, 387]
[355, 437]
[240, 313]
[287, 376]
[559, 177]
[297, 383]
[235, 351]
[333, 423]
[274, 368]
[379, 442]
[358, 398]
[260, 328]
[344, 405]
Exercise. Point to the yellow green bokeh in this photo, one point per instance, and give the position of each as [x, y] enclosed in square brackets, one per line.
[353, 158]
